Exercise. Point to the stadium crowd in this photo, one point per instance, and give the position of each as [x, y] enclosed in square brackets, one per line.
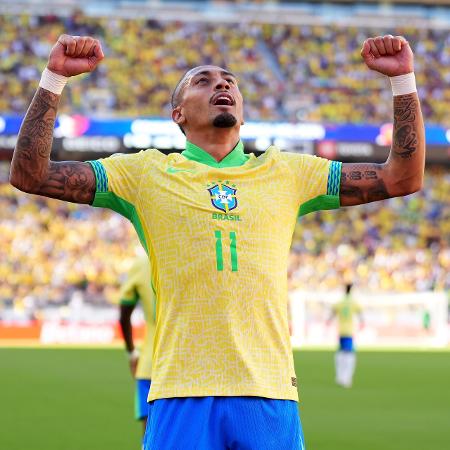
[398, 245]
[296, 73]
[52, 249]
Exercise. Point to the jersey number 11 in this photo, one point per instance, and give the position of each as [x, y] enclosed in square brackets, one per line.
[219, 251]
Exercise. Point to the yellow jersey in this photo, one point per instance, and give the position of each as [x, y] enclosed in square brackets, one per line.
[138, 288]
[345, 311]
[218, 236]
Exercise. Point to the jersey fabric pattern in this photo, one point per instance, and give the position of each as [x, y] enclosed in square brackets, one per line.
[218, 236]
[345, 311]
[137, 288]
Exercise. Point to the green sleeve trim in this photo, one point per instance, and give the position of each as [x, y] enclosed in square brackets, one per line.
[101, 176]
[332, 199]
[334, 178]
[129, 302]
[123, 207]
[319, 203]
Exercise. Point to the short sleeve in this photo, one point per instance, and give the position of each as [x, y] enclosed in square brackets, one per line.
[128, 293]
[317, 181]
[117, 181]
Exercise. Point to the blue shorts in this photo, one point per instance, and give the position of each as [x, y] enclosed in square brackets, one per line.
[346, 344]
[140, 399]
[223, 423]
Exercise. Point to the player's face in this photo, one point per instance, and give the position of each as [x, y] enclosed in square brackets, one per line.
[210, 98]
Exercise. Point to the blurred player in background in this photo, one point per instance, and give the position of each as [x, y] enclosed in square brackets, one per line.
[345, 359]
[217, 225]
[137, 288]
[426, 321]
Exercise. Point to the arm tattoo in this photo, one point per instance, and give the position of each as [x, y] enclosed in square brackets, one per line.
[359, 175]
[31, 168]
[362, 183]
[402, 173]
[69, 180]
[35, 138]
[405, 138]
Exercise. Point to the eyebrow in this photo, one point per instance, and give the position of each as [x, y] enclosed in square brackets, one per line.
[208, 72]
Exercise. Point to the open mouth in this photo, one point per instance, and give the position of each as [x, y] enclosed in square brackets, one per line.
[222, 99]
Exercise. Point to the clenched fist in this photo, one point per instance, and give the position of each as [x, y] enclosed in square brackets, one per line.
[388, 55]
[72, 55]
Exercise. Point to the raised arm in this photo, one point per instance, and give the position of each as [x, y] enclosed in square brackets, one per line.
[31, 168]
[402, 173]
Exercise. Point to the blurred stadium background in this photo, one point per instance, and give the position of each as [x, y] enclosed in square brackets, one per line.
[306, 90]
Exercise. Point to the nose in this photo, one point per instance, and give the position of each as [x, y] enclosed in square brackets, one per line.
[222, 84]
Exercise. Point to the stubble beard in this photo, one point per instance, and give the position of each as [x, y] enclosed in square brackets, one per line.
[224, 120]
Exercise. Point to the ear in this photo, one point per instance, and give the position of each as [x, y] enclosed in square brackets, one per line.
[178, 116]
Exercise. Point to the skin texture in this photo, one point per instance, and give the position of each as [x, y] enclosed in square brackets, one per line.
[215, 128]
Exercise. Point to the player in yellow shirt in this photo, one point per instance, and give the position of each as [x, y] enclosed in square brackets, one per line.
[137, 288]
[345, 358]
[217, 225]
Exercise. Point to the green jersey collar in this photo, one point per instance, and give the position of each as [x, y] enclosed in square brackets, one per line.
[235, 158]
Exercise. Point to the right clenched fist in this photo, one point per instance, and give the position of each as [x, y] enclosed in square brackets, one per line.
[72, 55]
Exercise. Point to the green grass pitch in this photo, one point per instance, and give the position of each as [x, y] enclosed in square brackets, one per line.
[67, 399]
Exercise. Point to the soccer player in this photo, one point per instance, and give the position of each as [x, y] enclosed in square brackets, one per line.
[137, 288]
[345, 358]
[217, 226]
[426, 321]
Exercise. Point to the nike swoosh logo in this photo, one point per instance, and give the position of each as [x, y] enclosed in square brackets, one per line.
[173, 170]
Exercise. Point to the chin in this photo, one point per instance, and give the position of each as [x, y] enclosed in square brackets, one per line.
[225, 120]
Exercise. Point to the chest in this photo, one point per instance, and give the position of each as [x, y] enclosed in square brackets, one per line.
[223, 197]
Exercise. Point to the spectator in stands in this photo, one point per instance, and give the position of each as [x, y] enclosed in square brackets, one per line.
[274, 62]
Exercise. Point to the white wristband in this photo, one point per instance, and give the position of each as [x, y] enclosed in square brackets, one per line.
[403, 84]
[52, 81]
[133, 355]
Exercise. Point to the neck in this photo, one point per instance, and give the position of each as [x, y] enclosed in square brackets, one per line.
[218, 142]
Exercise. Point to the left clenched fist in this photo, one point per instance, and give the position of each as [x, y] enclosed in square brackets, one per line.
[389, 55]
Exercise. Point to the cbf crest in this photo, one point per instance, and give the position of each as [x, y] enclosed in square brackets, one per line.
[223, 196]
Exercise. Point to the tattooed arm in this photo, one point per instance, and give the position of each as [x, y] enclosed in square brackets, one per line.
[402, 173]
[31, 168]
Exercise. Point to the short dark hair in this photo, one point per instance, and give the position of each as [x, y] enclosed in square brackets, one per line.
[178, 91]
[177, 94]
